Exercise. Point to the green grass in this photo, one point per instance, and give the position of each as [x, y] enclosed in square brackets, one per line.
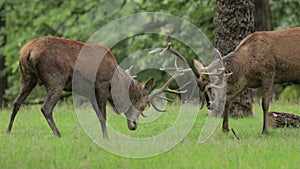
[32, 145]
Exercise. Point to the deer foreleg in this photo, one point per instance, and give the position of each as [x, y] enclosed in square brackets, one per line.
[225, 126]
[102, 106]
[101, 114]
[99, 105]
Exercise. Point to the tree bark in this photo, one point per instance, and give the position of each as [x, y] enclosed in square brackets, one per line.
[234, 20]
[262, 15]
[3, 75]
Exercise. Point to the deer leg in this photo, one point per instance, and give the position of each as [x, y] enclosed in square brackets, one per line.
[25, 88]
[225, 126]
[47, 108]
[100, 110]
[229, 98]
[102, 106]
[266, 96]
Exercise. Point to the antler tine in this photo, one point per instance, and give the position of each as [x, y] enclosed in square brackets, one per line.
[166, 49]
[183, 86]
[177, 69]
[220, 57]
[213, 74]
[218, 52]
[163, 50]
[171, 50]
[221, 70]
[156, 50]
[143, 115]
[158, 109]
[128, 71]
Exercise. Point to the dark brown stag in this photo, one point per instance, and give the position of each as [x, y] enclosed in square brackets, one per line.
[55, 63]
[260, 60]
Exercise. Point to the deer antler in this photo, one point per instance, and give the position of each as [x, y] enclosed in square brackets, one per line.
[220, 57]
[221, 69]
[128, 71]
[171, 50]
[178, 72]
[165, 87]
[217, 85]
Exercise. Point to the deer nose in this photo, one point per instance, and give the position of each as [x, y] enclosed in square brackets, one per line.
[133, 128]
[132, 125]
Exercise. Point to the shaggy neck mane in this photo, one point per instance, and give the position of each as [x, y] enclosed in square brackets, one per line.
[125, 90]
[135, 89]
[232, 66]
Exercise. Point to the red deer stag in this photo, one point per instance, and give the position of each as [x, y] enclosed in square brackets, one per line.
[260, 60]
[50, 61]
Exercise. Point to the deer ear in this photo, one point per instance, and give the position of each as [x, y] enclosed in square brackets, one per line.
[198, 65]
[149, 84]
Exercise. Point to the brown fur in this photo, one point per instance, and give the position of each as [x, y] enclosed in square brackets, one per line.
[51, 61]
[260, 60]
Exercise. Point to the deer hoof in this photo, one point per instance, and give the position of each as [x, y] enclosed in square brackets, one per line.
[225, 130]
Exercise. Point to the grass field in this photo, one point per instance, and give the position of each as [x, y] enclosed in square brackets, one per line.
[32, 145]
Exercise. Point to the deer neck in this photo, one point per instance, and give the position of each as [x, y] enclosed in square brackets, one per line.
[124, 86]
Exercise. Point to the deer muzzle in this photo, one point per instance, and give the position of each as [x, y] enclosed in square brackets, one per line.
[132, 125]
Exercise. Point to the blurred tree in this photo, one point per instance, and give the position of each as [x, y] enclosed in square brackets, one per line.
[262, 15]
[234, 20]
[285, 13]
[3, 70]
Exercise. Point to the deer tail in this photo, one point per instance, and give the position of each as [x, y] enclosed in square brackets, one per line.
[25, 61]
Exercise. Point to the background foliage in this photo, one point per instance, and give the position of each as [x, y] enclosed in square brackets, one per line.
[78, 20]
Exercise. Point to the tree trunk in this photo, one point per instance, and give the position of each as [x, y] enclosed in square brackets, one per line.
[234, 20]
[262, 15]
[3, 75]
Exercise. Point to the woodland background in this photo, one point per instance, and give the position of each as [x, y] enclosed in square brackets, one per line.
[21, 21]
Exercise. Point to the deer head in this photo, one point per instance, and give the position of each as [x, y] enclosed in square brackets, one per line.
[139, 100]
[212, 78]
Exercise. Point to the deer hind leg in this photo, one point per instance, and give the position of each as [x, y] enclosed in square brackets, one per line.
[26, 87]
[53, 95]
[266, 96]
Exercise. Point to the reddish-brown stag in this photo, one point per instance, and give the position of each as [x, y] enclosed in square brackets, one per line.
[55, 63]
